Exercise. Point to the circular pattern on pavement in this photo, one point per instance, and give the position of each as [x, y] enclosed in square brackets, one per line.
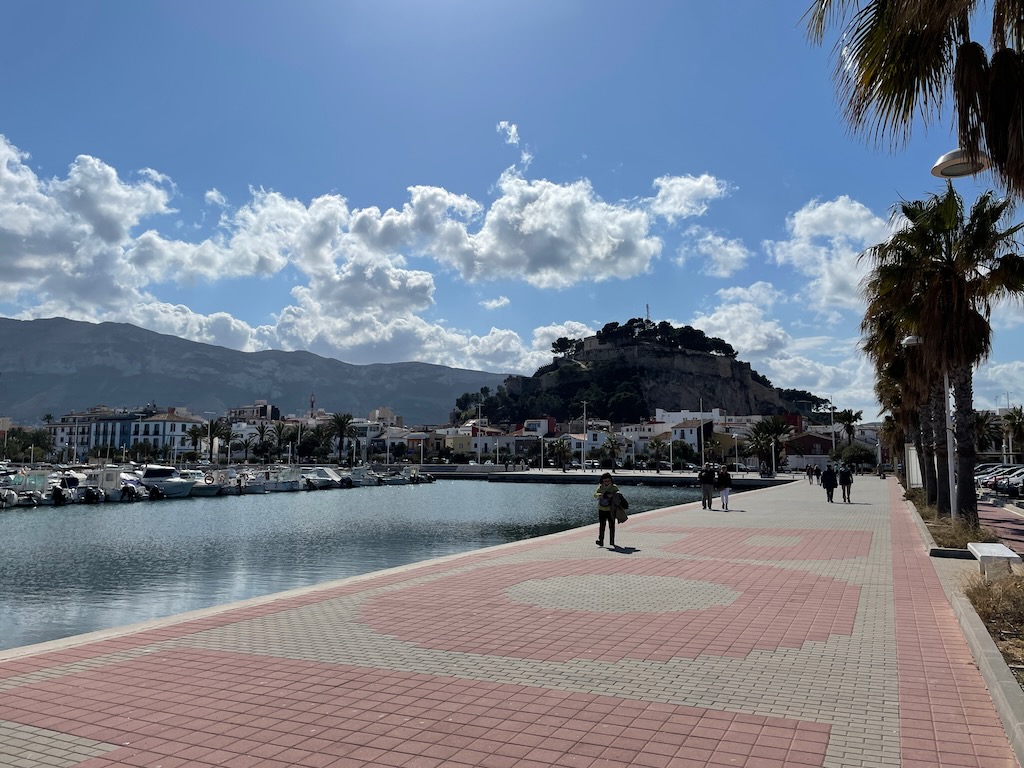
[608, 609]
[621, 593]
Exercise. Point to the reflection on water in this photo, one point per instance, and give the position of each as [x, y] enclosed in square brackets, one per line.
[69, 570]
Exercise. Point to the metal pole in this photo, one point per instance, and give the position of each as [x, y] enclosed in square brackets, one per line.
[950, 464]
[832, 412]
[583, 445]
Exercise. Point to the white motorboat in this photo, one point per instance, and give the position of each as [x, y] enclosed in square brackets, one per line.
[320, 478]
[394, 478]
[359, 477]
[116, 483]
[166, 480]
[209, 483]
[283, 479]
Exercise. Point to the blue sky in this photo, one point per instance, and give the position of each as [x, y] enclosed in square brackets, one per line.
[452, 181]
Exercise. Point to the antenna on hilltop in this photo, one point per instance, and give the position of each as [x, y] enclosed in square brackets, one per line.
[648, 307]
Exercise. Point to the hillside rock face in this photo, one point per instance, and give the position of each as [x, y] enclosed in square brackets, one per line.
[673, 380]
[57, 366]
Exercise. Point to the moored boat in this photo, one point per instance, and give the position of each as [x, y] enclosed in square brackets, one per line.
[209, 483]
[166, 480]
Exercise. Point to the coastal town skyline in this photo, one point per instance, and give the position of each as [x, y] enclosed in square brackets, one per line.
[454, 183]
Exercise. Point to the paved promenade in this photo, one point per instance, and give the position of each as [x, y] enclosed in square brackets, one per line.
[785, 632]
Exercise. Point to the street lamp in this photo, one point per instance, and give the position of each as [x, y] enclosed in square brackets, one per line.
[917, 341]
[958, 163]
[209, 431]
[832, 414]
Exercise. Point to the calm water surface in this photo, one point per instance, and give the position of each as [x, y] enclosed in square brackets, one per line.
[69, 570]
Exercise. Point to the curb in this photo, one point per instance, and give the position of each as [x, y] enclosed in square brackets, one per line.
[1007, 694]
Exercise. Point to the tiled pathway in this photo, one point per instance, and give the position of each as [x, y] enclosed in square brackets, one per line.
[784, 632]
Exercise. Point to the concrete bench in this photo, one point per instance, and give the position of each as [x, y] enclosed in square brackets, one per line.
[998, 555]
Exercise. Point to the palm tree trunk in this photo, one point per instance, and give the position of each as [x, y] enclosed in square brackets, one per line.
[938, 414]
[962, 381]
[927, 454]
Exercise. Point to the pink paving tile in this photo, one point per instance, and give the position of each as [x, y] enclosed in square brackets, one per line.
[941, 689]
[604, 728]
[771, 543]
[768, 608]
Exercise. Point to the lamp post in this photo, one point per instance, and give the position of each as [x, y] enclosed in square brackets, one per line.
[583, 447]
[832, 413]
[916, 341]
[209, 432]
[700, 431]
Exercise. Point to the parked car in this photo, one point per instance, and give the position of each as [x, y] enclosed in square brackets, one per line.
[992, 480]
[1002, 482]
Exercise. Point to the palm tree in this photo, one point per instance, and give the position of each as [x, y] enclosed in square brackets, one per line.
[848, 419]
[561, 451]
[1013, 423]
[246, 444]
[341, 428]
[196, 434]
[988, 431]
[658, 447]
[767, 438]
[612, 446]
[937, 278]
[898, 60]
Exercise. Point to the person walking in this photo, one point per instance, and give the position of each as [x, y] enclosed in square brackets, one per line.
[829, 481]
[846, 481]
[706, 478]
[810, 474]
[817, 473]
[724, 483]
[605, 495]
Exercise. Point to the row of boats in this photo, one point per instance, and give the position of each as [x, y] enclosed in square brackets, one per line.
[128, 482]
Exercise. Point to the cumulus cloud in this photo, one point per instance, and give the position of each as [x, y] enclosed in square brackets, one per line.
[761, 293]
[681, 197]
[825, 242]
[550, 235]
[721, 257]
[498, 303]
[362, 284]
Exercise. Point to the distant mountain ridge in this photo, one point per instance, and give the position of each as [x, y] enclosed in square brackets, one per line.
[57, 366]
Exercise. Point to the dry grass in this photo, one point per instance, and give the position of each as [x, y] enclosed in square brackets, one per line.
[1000, 605]
[942, 529]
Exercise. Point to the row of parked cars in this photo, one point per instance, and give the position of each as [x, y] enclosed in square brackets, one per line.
[1001, 478]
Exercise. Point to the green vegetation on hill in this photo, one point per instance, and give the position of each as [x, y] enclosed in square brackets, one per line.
[642, 331]
[612, 389]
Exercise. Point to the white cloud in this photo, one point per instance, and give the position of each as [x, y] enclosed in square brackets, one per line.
[510, 130]
[498, 303]
[721, 257]
[215, 197]
[825, 242]
[681, 197]
[551, 236]
[761, 293]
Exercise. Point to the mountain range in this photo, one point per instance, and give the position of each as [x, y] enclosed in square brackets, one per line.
[56, 366]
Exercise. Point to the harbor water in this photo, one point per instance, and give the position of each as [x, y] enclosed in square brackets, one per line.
[70, 570]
